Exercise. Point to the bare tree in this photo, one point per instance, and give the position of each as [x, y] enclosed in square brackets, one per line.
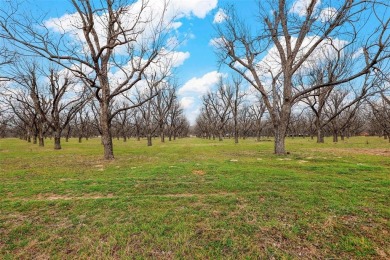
[110, 36]
[164, 102]
[57, 101]
[380, 114]
[294, 38]
[257, 110]
[218, 104]
[237, 100]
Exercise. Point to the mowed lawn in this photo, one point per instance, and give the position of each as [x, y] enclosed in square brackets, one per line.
[195, 199]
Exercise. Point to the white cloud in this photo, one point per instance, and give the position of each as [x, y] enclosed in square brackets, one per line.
[327, 49]
[198, 8]
[216, 42]
[71, 24]
[187, 102]
[179, 57]
[193, 89]
[220, 16]
[328, 14]
[200, 86]
[299, 7]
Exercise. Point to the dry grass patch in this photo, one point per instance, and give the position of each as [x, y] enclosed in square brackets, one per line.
[198, 172]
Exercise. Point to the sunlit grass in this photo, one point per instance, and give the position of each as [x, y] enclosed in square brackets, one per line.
[196, 198]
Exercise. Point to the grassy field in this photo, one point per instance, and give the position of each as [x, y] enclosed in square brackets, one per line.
[196, 199]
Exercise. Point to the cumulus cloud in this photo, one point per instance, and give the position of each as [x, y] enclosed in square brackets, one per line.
[299, 7]
[328, 14]
[216, 42]
[197, 8]
[177, 9]
[200, 86]
[326, 50]
[220, 16]
[193, 89]
[187, 102]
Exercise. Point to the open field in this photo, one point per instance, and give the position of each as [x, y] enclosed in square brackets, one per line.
[194, 198]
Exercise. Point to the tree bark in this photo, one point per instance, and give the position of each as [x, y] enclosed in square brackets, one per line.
[335, 137]
[320, 135]
[57, 140]
[280, 136]
[106, 131]
[220, 135]
[41, 141]
[149, 140]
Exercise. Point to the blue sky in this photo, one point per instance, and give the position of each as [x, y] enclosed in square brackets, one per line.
[199, 70]
[197, 25]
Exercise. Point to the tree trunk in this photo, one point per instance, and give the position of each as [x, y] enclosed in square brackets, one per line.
[106, 131]
[320, 135]
[280, 143]
[57, 140]
[258, 135]
[149, 140]
[41, 141]
[280, 136]
[335, 137]
[80, 138]
[220, 135]
[320, 132]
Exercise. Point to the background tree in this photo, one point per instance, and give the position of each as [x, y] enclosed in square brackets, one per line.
[290, 39]
[108, 38]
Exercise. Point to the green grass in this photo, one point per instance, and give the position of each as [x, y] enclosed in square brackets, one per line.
[197, 199]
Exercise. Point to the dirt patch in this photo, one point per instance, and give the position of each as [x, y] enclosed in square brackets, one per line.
[51, 196]
[198, 172]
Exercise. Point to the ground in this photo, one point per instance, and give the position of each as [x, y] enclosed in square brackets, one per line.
[196, 198]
